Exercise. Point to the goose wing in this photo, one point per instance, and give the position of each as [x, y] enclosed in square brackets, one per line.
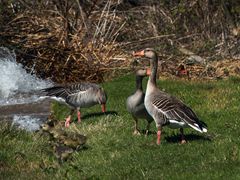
[81, 91]
[71, 90]
[174, 109]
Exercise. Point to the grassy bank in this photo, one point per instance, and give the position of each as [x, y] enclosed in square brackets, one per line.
[113, 152]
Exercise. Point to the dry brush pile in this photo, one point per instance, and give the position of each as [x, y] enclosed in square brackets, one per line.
[201, 34]
[66, 41]
[72, 40]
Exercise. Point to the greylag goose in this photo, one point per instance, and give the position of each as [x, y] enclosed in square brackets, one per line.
[164, 108]
[135, 102]
[78, 96]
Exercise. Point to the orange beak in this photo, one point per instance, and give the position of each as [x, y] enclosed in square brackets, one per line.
[139, 53]
[103, 108]
[148, 71]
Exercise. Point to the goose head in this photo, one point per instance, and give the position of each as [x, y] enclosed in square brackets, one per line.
[149, 53]
[102, 98]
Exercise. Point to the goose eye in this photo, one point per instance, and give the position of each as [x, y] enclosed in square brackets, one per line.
[146, 50]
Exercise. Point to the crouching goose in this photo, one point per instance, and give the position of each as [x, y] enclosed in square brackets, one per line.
[76, 96]
[135, 102]
[164, 108]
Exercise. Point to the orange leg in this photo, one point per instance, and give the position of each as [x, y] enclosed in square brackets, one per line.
[103, 108]
[67, 122]
[159, 136]
[79, 116]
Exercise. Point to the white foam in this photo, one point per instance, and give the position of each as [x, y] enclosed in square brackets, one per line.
[28, 123]
[15, 80]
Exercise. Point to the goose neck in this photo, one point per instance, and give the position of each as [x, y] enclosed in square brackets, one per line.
[153, 67]
[139, 82]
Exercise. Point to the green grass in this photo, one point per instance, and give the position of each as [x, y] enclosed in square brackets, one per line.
[114, 153]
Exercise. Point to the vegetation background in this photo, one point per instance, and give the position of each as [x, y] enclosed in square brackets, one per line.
[72, 40]
[92, 40]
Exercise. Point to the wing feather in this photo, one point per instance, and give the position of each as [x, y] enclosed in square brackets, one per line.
[175, 109]
[70, 91]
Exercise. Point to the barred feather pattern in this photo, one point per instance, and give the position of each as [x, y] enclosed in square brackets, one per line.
[77, 95]
[164, 108]
[167, 108]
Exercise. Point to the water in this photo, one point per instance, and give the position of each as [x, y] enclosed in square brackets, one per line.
[14, 80]
[29, 123]
[17, 88]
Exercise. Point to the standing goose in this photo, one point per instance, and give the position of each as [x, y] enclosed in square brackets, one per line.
[164, 108]
[135, 102]
[78, 96]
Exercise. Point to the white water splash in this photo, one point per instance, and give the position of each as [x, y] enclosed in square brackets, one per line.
[14, 80]
[17, 87]
[28, 123]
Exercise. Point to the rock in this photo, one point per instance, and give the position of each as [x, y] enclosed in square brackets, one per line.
[194, 59]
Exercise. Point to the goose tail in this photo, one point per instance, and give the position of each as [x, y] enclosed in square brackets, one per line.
[200, 127]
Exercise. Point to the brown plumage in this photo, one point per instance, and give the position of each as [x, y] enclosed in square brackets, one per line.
[76, 96]
[164, 108]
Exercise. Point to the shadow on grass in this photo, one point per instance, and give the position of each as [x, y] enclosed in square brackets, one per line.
[188, 137]
[87, 116]
[143, 132]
